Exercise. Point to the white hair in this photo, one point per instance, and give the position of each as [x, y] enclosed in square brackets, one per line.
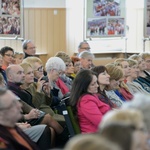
[55, 63]
[86, 54]
[142, 103]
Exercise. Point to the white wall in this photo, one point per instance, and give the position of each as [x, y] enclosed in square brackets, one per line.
[44, 3]
[75, 25]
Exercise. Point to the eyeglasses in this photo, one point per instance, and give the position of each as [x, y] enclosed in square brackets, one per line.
[9, 55]
[40, 69]
[86, 48]
[31, 48]
[69, 65]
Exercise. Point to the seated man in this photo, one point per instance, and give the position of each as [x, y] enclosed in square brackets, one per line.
[86, 59]
[12, 137]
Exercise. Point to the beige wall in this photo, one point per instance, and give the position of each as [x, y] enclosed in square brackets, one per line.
[48, 31]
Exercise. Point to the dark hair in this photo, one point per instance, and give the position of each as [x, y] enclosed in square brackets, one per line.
[102, 95]
[5, 49]
[119, 133]
[80, 85]
[99, 69]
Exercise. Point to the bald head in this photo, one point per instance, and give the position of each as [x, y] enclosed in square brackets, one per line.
[15, 74]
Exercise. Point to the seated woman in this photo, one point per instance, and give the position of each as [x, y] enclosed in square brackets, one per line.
[85, 102]
[103, 81]
[76, 64]
[7, 54]
[18, 58]
[116, 75]
[123, 91]
[142, 79]
[66, 75]
[40, 92]
[133, 86]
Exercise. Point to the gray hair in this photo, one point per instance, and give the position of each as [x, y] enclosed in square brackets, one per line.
[25, 43]
[142, 103]
[55, 63]
[86, 54]
[81, 43]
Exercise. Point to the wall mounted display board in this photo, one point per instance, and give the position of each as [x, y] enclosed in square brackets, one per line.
[104, 18]
[11, 18]
[147, 18]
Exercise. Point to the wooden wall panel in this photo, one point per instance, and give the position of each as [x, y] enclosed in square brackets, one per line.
[46, 29]
[51, 31]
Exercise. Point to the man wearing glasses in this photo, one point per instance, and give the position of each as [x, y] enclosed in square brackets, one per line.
[83, 46]
[29, 48]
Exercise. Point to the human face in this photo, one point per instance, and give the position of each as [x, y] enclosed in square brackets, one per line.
[147, 62]
[134, 72]
[103, 78]
[69, 68]
[113, 84]
[93, 86]
[8, 57]
[38, 70]
[29, 76]
[54, 74]
[141, 64]
[31, 49]
[11, 108]
[86, 63]
[139, 140]
[19, 59]
[17, 75]
[77, 67]
[125, 68]
[84, 46]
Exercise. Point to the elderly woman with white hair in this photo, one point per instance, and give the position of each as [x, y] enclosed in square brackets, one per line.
[55, 66]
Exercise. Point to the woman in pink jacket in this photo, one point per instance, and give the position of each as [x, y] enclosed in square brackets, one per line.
[87, 106]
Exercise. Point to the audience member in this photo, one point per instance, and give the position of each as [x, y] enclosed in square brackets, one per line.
[85, 102]
[29, 48]
[83, 46]
[66, 76]
[7, 54]
[127, 116]
[123, 92]
[143, 78]
[2, 72]
[124, 65]
[76, 64]
[40, 92]
[127, 136]
[55, 66]
[135, 87]
[12, 137]
[18, 58]
[103, 81]
[116, 75]
[86, 59]
[90, 142]
[146, 57]
[140, 102]
[36, 133]
[37, 66]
